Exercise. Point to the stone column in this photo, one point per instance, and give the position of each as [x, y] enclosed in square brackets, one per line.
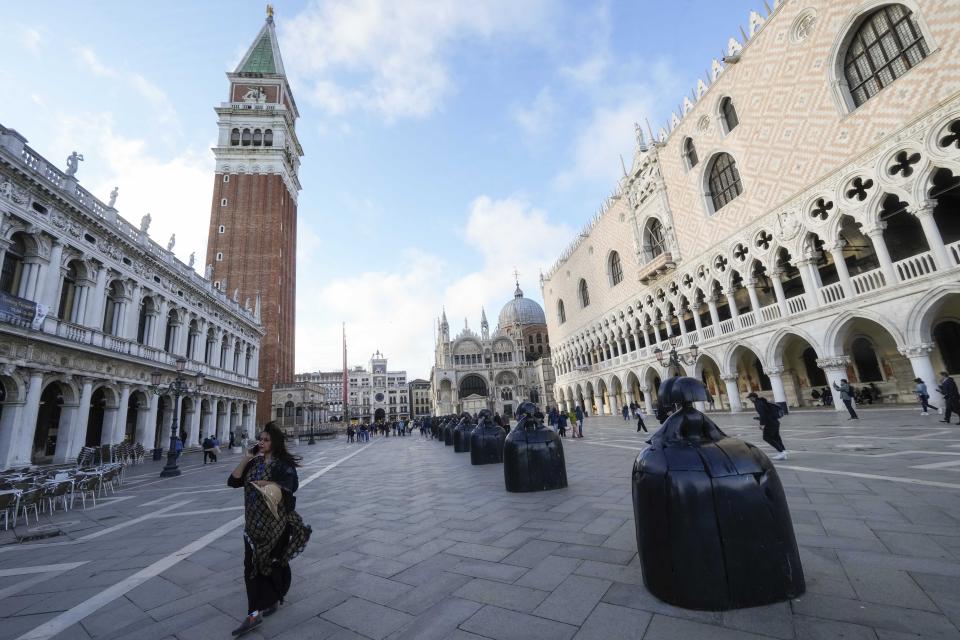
[223, 431]
[883, 254]
[120, 429]
[683, 327]
[70, 440]
[809, 284]
[776, 383]
[50, 290]
[733, 393]
[841, 264]
[697, 322]
[193, 425]
[754, 300]
[205, 421]
[160, 325]
[836, 370]
[919, 356]
[656, 332]
[778, 291]
[629, 396]
[29, 279]
[94, 310]
[79, 311]
[932, 234]
[132, 318]
[647, 403]
[714, 314]
[22, 424]
[732, 303]
[147, 422]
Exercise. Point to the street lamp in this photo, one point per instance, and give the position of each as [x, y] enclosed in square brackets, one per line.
[179, 386]
[674, 359]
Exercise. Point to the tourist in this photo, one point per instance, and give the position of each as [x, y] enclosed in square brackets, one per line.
[207, 447]
[626, 413]
[951, 396]
[640, 424]
[350, 433]
[923, 396]
[562, 423]
[572, 415]
[273, 532]
[578, 428]
[847, 397]
[769, 416]
[710, 401]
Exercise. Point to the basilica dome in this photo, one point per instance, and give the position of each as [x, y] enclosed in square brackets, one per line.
[522, 310]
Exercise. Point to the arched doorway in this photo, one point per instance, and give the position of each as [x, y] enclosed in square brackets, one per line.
[751, 377]
[52, 420]
[875, 363]
[708, 371]
[379, 415]
[802, 376]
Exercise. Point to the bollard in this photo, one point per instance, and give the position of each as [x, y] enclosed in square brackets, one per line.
[486, 441]
[532, 454]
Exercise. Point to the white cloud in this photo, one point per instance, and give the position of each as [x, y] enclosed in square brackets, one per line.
[591, 71]
[90, 60]
[394, 311]
[164, 111]
[31, 39]
[539, 119]
[390, 57]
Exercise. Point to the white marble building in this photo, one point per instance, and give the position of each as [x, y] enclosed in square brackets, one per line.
[799, 221]
[90, 306]
[377, 394]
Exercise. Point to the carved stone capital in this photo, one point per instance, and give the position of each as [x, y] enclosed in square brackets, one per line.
[774, 371]
[917, 351]
[838, 362]
[730, 377]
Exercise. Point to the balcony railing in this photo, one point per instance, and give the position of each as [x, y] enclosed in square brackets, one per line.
[727, 326]
[832, 293]
[770, 312]
[797, 304]
[953, 250]
[748, 319]
[656, 267]
[915, 266]
[868, 281]
[708, 332]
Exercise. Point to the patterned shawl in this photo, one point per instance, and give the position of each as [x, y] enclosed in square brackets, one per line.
[274, 541]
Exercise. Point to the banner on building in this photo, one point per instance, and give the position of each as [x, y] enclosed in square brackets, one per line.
[21, 312]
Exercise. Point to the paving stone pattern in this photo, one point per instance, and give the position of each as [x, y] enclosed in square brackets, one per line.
[411, 541]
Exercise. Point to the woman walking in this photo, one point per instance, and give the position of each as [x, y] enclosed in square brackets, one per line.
[273, 532]
[923, 396]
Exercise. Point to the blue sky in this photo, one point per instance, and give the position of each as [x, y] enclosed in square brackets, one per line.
[446, 142]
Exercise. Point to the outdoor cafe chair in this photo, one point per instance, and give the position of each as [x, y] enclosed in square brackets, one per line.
[89, 484]
[9, 502]
[57, 491]
[30, 499]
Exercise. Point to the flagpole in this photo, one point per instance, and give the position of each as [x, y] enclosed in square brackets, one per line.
[346, 407]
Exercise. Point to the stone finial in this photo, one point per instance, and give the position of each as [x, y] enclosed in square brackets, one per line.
[73, 163]
[715, 70]
[173, 242]
[734, 47]
[113, 197]
[756, 21]
[701, 88]
[687, 105]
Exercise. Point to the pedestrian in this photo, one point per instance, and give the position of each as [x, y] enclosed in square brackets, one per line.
[207, 446]
[579, 427]
[951, 396]
[626, 413]
[273, 532]
[710, 401]
[769, 416]
[923, 397]
[179, 447]
[846, 397]
[216, 446]
[572, 416]
[640, 424]
[562, 423]
[350, 433]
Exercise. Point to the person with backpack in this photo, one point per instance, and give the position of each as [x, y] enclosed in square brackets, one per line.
[923, 396]
[769, 416]
[846, 395]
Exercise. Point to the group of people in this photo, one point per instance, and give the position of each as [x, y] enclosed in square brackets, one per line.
[558, 420]
[363, 432]
[947, 388]
[634, 410]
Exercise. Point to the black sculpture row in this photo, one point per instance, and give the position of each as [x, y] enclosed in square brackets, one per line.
[712, 523]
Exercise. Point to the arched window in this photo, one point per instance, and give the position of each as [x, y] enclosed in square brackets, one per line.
[654, 242]
[112, 310]
[268, 138]
[584, 294]
[257, 137]
[208, 347]
[947, 336]
[236, 356]
[690, 153]
[192, 337]
[728, 113]
[815, 375]
[724, 181]
[13, 265]
[615, 269]
[247, 137]
[235, 138]
[68, 294]
[146, 311]
[224, 345]
[865, 360]
[246, 370]
[170, 339]
[887, 44]
[561, 312]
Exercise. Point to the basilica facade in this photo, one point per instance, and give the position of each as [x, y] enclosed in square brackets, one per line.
[90, 309]
[797, 221]
[498, 370]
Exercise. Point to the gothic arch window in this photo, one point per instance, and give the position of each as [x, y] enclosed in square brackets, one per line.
[235, 138]
[584, 293]
[884, 46]
[561, 312]
[865, 360]
[257, 137]
[13, 265]
[690, 153]
[654, 241]
[268, 138]
[723, 181]
[247, 137]
[615, 269]
[728, 115]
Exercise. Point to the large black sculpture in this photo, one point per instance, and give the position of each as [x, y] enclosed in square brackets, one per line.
[713, 527]
[532, 454]
[461, 433]
[486, 441]
[448, 432]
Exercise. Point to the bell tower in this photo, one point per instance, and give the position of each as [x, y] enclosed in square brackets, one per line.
[252, 242]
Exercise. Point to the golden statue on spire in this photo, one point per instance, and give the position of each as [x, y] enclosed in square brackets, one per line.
[269, 10]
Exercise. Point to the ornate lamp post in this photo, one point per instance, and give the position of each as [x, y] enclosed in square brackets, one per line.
[674, 359]
[179, 386]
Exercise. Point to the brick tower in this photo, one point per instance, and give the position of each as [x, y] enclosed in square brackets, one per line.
[252, 243]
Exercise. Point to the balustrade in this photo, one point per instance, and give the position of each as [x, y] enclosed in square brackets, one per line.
[915, 266]
[832, 293]
[726, 326]
[748, 319]
[708, 332]
[770, 312]
[868, 281]
[797, 304]
[953, 250]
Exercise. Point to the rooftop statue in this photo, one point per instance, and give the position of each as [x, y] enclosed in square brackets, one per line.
[73, 163]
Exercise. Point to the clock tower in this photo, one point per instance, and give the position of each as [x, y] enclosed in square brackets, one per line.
[252, 242]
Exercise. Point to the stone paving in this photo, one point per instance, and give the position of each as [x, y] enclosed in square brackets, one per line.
[411, 541]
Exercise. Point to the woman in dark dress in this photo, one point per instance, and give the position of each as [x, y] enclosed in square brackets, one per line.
[273, 531]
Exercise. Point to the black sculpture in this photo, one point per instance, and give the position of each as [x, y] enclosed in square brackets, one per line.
[486, 441]
[461, 433]
[713, 527]
[532, 454]
[448, 432]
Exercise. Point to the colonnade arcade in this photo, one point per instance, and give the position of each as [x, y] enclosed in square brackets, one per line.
[867, 348]
[48, 417]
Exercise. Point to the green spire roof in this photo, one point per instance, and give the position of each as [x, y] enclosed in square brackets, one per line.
[263, 56]
[260, 58]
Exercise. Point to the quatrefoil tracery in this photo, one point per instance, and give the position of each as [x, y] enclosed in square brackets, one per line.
[720, 263]
[673, 288]
[740, 252]
[952, 137]
[763, 240]
[903, 164]
[858, 188]
[687, 281]
[821, 209]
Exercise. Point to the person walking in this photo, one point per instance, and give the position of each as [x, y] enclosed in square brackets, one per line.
[951, 397]
[640, 424]
[923, 396]
[207, 446]
[769, 416]
[273, 532]
[562, 423]
[626, 413]
[578, 428]
[846, 395]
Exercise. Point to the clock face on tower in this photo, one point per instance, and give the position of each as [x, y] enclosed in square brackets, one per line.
[379, 397]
